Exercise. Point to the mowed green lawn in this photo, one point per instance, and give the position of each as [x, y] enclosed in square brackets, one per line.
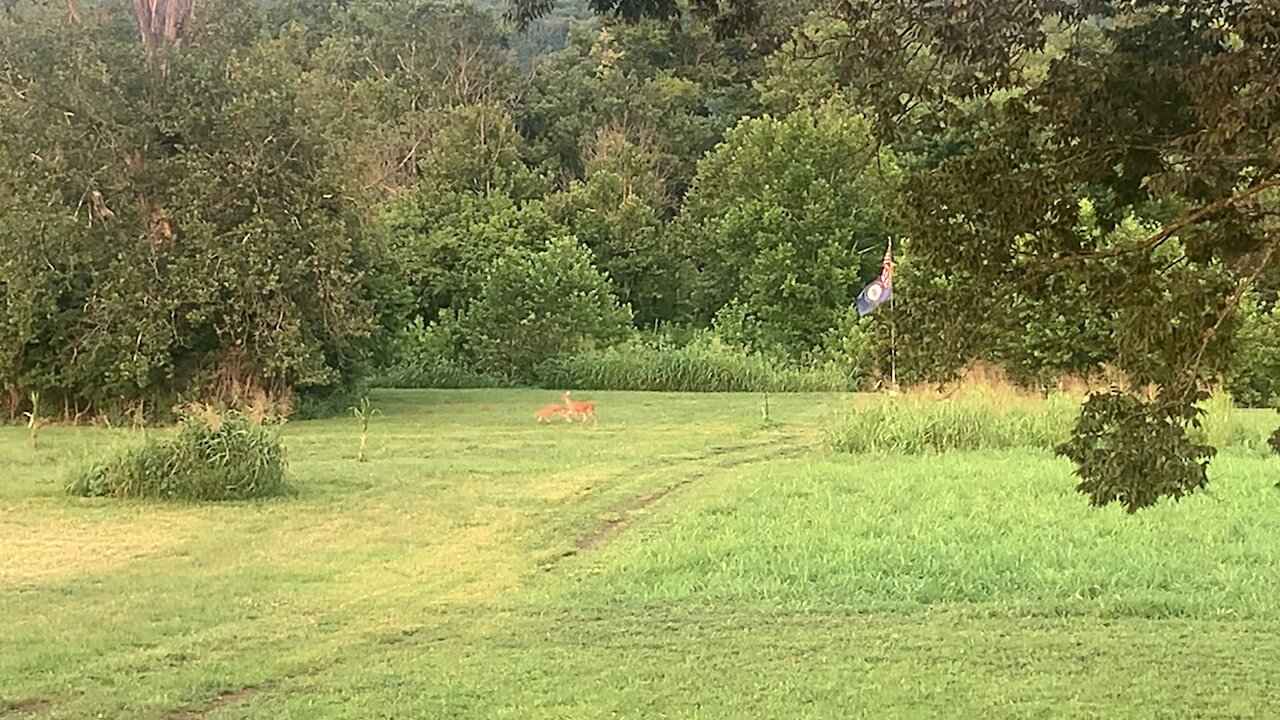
[681, 559]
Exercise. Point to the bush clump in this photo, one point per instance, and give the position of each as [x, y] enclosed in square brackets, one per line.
[439, 374]
[213, 456]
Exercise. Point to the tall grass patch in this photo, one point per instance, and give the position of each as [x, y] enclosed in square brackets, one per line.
[440, 374]
[696, 367]
[981, 418]
[211, 456]
[1225, 426]
[914, 425]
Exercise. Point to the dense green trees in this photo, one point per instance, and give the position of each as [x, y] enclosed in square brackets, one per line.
[617, 211]
[536, 305]
[261, 199]
[788, 218]
[171, 229]
[1254, 378]
[1166, 110]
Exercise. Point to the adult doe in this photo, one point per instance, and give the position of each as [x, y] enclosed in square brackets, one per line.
[582, 408]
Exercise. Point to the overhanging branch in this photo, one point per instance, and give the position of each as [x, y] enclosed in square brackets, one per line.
[1168, 231]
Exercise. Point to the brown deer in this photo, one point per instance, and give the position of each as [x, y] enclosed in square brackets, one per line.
[544, 415]
[584, 408]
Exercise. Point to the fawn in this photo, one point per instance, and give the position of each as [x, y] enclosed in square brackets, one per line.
[585, 408]
[544, 415]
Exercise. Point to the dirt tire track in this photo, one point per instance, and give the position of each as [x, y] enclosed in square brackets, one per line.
[623, 513]
[31, 706]
[222, 700]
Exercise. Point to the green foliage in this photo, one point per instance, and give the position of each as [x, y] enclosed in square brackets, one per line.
[913, 426]
[536, 305]
[446, 242]
[211, 457]
[171, 233]
[434, 356]
[442, 373]
[363, 414]
[328, 402]
[387, 87]
[1058, 326]
[804, 73]
[703, 365]
[726, 18]
[618, 212]
[790, 217]
[476, 149]
[857, 343]
[546, 34]
[1135, 452]
[675, 85]
[1254, 375]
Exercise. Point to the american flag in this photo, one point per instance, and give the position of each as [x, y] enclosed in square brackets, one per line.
[886, 268]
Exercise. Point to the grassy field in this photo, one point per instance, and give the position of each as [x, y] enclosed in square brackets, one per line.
[682, 559]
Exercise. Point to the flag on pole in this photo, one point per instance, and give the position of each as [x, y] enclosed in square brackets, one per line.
[880, 289]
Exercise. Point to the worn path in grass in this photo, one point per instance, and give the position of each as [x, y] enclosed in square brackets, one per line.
[679, 560]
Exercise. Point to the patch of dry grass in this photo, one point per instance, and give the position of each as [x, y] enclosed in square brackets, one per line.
[45, 551]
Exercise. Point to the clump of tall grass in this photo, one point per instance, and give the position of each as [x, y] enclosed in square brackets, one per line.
[1223, 425]
[211, 456]
[440, 373]
[913, 425]
[977, 417]
[701, 366]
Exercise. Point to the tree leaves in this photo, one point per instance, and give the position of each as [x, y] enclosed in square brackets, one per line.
[536, 305]
[1135, 452]
[229, 259]
[1149, 109]
[790, 217]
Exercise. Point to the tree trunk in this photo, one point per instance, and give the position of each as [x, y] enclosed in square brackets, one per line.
[161, 22]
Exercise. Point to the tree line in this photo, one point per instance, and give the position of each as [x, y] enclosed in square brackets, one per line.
[225, 199]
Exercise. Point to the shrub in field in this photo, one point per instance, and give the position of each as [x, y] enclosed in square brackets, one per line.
[211, 456]
[911, 425]
[432, 355]
[705, 365]
[536, 305]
